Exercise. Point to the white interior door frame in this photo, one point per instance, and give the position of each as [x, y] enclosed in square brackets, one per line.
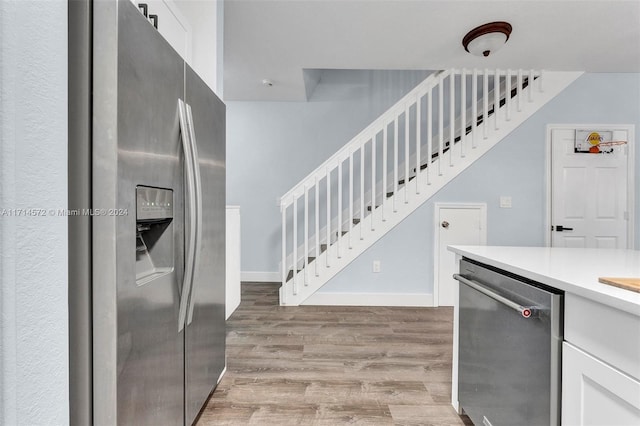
[630, 129]
[436, 238]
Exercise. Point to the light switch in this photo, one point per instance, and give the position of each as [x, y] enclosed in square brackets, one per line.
[376, 266]
[505, 202]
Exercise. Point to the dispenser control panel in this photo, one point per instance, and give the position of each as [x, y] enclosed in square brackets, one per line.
[153, 203]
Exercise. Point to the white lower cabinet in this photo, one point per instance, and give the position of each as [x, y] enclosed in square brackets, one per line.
[595, 393]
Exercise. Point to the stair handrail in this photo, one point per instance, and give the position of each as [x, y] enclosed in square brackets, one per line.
[364, 135]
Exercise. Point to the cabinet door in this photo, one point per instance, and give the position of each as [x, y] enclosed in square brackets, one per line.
[594, 393]
[172, 25]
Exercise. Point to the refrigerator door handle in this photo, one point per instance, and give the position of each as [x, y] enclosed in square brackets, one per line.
[198, 196]
[190, 216]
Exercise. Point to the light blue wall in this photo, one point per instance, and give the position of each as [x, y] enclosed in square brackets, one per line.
[515, 167]
[273, 145]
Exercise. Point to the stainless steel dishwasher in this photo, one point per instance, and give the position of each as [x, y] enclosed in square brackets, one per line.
[509, 348]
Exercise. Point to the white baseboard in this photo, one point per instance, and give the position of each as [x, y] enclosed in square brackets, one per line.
[260, 277]
[371, 299]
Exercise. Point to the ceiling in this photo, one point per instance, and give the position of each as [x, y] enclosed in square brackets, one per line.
[279, 39]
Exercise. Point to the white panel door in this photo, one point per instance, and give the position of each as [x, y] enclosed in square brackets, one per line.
[594, 393]
[456, 225]
[588, 193]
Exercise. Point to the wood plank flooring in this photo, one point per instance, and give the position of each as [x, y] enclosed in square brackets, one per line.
[326, 365]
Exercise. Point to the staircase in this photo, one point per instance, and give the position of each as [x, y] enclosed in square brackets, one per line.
[397, 163]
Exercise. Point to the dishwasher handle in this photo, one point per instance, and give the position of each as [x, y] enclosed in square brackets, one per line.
[525, 311]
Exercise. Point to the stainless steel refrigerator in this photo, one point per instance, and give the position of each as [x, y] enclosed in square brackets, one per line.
[147, 224]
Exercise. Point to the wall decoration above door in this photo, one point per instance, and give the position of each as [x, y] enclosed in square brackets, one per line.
[595, 142]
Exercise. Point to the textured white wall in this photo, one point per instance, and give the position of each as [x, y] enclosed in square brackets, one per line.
[33, 249]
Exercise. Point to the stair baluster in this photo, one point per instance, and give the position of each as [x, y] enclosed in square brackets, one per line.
[485, 104]
[440, 125]
[384, 171]
[519, 87]
[395, 161]
[362, 192]
[339, 231]
[306, 236]
[418, 141]
[373, 180]
[407, 110]
[429, 114]
[316, 188]
[508, 89]
[530, 87]
[284, 266]
[328, 225]
[474, 108]
[351, 216]
[452, 116]
[496, 98]
[294, 266]
[463, 112]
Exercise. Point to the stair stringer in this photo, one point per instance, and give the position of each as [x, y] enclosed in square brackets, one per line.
[411, 196]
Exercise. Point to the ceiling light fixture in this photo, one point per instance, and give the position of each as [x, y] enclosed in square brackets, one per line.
[487, 38]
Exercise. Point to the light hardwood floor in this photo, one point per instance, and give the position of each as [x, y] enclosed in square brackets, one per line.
[319, 365]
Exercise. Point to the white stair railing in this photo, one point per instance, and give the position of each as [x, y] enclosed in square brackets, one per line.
[421, 138]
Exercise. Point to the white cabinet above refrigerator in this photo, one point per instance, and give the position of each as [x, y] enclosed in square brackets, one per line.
[171, 24]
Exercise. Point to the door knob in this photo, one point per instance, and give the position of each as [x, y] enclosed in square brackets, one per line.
[445, 224]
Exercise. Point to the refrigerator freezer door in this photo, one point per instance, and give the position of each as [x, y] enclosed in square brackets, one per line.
[138, 350]
[205, 331]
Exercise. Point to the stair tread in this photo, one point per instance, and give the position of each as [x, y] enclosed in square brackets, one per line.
[290, 274]
[401, 181]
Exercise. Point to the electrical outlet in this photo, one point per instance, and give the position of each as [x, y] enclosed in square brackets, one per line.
[505, 202]
[376, 266]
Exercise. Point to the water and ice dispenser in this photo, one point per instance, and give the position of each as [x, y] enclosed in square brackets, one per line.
[154, 233]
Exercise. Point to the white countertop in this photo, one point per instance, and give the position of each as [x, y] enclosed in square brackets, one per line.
[572, 270]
